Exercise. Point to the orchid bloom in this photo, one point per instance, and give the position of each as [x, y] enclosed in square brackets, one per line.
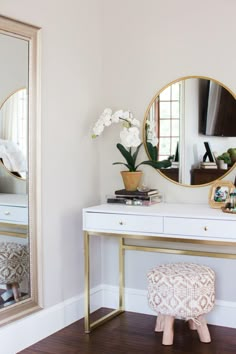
[129, 137]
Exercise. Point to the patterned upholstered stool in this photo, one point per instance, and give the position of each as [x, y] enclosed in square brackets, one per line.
[182, 290]
[14, 266]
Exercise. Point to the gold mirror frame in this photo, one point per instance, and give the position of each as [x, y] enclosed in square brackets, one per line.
[146, 117]
[31, 34]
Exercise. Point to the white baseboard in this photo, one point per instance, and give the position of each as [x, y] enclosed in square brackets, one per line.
[35, 327]
[42, 324]
[223, 314]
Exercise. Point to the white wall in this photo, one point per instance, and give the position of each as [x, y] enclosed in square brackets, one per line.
[151, 43]
[71, 94]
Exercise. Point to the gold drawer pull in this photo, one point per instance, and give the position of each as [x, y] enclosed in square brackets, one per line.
[7, 213]
[205, 228]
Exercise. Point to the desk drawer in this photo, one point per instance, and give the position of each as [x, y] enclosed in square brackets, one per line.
[200, 227]
[123, 223]
[14, 214]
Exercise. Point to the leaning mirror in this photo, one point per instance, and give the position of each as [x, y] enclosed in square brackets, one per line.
[19, 169]
[193, 119]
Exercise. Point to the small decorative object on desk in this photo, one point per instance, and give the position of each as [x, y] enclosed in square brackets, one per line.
[130, 139]
[219, 193]
[144, 188]
[230, 206]
[147, 198]
[128, 200]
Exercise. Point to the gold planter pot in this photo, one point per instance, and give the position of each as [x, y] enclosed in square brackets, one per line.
[131, 179]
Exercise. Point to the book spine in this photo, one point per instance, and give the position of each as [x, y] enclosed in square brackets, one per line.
[136, 193]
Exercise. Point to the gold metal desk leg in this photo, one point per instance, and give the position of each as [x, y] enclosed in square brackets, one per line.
[87, 323]
[121, 275]
[87, 283]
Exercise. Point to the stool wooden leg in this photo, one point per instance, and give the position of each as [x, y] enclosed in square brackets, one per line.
[168, 333]
[203, 330]
[192, 325]
[16, 292]
[160, 323]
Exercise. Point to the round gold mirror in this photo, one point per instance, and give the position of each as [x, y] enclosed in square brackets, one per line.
[193, 121]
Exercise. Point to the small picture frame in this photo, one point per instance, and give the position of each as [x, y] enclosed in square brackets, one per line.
[219, 193]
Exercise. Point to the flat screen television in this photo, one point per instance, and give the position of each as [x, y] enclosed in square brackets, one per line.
[217, 110]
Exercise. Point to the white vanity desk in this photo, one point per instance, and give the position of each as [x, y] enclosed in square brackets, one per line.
[191, 224]
[13, 217]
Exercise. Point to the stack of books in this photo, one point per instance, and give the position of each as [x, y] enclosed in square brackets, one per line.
[174, 164]
[143, 198]
[208, 165]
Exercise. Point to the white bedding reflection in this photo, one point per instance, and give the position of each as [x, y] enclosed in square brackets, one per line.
[12, 157]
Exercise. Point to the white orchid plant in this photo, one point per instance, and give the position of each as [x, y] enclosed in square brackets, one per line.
[130, 139]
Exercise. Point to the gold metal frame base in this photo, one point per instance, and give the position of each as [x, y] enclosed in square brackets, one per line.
[89, 326]
[103, 319]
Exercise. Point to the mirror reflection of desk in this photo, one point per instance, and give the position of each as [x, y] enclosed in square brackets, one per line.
[172, 173]
[13, 231]
[14, 214]
[205, 175]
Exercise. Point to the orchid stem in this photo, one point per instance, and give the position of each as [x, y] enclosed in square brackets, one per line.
[125, 121]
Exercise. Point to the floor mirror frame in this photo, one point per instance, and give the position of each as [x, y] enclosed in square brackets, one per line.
[31, 34]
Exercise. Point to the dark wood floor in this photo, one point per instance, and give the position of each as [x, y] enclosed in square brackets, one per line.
[132, 333]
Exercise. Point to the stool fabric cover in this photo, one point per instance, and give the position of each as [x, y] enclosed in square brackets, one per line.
[14, 262]
[184, 290]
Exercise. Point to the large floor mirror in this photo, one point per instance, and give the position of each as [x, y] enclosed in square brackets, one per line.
[19, 169]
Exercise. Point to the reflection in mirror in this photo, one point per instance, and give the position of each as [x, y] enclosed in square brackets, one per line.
[18, 272]
[183, 116]
[14, 241]
[13, 133]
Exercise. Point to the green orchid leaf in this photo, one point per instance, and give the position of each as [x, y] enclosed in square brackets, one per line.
[152, 150]
[127, 155]
[135, 154]
[156, 164]
[130, 168]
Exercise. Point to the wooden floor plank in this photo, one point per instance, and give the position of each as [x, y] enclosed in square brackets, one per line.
[132, 333]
